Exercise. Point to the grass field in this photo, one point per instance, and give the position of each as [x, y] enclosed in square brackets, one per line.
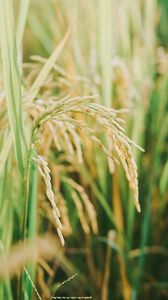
[83, 149]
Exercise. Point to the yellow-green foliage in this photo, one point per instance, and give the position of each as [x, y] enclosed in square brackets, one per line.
[82, 84]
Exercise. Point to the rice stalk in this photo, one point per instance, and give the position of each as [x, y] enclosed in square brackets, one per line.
[23, 11]
[12, 81]
[67, 139]
[47, 68]
[105, 49]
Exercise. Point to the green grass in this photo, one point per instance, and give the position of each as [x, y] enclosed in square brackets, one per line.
[12, 80]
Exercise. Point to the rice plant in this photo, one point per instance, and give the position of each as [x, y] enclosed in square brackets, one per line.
[83, 149]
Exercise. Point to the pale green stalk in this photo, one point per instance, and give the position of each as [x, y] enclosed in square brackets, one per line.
[12, 81]
[23, 11]
[105, 49]
[6, 227]
[39, 81]
[149, 29]
[6, 147]
[31, 218]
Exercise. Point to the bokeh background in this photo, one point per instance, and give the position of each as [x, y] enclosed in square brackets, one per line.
[118, 50]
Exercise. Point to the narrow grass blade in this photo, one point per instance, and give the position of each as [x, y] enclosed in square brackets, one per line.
[30, 227]
[5, 150]
[24, 6]
[164, 179]
[47, 68]
[12, 82]
[105, 49]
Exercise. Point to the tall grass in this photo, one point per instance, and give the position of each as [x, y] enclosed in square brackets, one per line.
[51, 127]
[12, 81]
